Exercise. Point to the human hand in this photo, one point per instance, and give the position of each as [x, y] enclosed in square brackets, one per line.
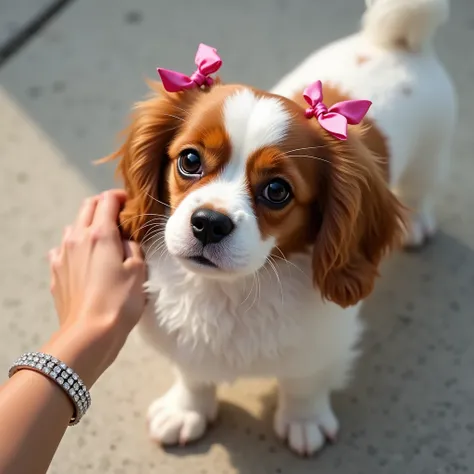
[97, 279]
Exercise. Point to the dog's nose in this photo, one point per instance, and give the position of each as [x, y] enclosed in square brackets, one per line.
[210, 226]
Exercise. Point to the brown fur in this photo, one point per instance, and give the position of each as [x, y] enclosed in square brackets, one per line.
[144, 157]
[297, 160]
[362, 220]
[146, 154]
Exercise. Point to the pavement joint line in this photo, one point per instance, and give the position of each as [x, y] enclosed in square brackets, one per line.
[33, 27]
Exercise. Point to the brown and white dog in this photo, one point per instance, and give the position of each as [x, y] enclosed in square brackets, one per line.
[263, 233]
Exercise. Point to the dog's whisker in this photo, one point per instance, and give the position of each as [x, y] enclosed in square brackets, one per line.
[151, 227]
[259, 289]
[281, 252]
[158, 245]
[309, 156]
[188, 113]
[158, 201]
[149, 250]
[169, 129]
[163, 252]
[257, 292]
[153, 249]
[181, 109]
[137, 216]
[177, 117]
[153, 233]
[304, 148]
[273, 266]
[267, 270]
[250, 292]
[288, 262]
[152, 238]
[151, 223]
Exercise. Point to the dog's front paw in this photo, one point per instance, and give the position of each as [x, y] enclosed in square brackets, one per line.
[169, 425]
[306, 433]
[181, 416]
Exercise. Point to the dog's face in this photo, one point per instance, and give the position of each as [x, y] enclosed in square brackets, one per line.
[235, 194]
[244, 176]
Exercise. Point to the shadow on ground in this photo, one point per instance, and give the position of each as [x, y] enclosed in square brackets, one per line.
[409, 409]
[410, 398]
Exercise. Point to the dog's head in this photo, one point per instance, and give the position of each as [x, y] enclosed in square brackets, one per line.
[241, 175]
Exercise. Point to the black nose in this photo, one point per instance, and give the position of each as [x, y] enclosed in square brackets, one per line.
[210, 226]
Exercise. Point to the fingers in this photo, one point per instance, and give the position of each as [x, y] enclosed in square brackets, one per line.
[118, 194]
[134, 261]
[108, 209]
[86, 212]
[53, 258]
[53, 255]
[132, 250]
[56, 282]
[67, 234]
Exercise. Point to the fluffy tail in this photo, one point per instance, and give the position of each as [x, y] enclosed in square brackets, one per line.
[407, 24]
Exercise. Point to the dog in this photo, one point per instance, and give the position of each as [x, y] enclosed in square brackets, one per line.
[264, 224]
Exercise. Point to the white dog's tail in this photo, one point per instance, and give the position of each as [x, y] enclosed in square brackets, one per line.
[409, 24]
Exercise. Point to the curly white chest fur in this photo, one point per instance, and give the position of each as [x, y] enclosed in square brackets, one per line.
[270, 325]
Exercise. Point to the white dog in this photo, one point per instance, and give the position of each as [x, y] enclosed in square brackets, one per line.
[274, 227]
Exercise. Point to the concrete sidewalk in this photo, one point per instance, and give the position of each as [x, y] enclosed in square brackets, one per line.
[63, 99]
[15, 15]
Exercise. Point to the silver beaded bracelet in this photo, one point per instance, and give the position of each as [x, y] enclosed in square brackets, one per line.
[60, 373]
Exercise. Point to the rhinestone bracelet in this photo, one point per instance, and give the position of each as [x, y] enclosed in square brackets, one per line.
[60, 373]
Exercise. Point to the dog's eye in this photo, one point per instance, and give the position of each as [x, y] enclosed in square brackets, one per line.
[277, 193]
[189, 163]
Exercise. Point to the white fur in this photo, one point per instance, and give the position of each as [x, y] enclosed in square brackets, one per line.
[388, 22]
[260, 323]
[414, 102]
[258, 326]
[251, 123]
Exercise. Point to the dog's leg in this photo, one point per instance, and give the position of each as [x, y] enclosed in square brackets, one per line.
[420, 186]
[416, 190]
[422, 224]
[304, 417]
[183, 413]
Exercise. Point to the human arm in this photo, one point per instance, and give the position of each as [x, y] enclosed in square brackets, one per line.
[97, 284]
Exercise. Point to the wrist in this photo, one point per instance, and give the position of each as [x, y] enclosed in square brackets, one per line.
[86, 347]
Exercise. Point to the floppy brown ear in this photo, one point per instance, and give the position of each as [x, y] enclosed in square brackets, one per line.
[144, 157]
[361, 221]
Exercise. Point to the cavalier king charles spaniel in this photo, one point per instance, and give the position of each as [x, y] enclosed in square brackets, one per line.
[264, 216]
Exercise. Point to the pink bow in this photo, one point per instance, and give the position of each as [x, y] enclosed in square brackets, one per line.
[335, 119]
[207, 61]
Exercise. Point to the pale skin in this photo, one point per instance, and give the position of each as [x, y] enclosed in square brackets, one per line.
[97, 285]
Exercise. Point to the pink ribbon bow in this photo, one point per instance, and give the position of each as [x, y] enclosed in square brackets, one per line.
[335, 119]
[207, 61]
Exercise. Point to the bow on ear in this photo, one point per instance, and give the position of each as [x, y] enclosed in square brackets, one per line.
[207, 61]
[335, 119]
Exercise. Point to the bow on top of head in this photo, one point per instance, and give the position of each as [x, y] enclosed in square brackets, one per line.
[335, 119]
[207, 61]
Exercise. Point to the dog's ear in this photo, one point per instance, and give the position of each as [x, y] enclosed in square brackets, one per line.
[144, 157]
[361, 221]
